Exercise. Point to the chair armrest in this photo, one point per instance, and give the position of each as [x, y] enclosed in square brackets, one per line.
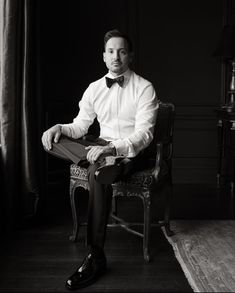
[162, 166]
[158, 162]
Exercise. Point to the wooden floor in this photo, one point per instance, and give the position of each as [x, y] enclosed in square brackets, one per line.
[40, 257]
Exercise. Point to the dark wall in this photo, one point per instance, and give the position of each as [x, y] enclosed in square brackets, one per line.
[175, 47]
[173, 40]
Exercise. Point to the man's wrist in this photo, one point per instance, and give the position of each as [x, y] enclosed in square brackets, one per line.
[113, 149]
[60, 128]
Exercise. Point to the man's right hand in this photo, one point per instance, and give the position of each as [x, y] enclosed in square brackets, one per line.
[51, 135]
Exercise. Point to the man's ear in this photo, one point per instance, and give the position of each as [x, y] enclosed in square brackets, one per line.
[104, 57]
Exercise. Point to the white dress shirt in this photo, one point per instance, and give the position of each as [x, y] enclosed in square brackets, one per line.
[126, 114]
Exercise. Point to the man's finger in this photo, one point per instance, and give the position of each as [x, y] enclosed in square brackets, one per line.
[91, 155]
[49, 140]
[57, 137]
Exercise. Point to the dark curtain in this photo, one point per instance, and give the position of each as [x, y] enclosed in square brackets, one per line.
[19, 111]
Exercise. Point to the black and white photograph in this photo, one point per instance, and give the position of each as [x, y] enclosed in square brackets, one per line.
[117, 146]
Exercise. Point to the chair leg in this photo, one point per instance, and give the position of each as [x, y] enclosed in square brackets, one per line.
[147, 227]
[74, 236]
[168, 202]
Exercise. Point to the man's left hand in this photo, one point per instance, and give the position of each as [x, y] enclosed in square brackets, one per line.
[96, 152]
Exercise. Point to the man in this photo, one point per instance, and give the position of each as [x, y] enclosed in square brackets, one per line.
[125, 106]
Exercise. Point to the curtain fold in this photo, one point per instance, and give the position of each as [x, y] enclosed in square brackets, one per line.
[18, 110]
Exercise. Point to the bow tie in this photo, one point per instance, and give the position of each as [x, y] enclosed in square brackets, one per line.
[111, 81]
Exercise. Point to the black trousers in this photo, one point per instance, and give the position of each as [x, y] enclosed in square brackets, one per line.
[100, 195]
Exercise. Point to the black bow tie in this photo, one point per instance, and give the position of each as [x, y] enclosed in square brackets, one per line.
[111, 81]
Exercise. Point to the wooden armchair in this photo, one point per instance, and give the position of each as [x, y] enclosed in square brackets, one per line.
[146, 184]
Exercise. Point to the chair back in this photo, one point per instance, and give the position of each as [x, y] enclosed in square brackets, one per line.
[163, 132]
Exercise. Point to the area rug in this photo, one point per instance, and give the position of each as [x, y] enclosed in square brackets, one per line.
[206, 252]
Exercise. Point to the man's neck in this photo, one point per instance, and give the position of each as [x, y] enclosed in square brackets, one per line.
[117, 75]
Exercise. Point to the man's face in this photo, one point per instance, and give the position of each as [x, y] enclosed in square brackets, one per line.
[117, 56]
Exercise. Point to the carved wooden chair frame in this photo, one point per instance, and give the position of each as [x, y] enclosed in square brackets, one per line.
[145, 184]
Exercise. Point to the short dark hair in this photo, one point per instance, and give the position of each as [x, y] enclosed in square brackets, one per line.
[117, 34]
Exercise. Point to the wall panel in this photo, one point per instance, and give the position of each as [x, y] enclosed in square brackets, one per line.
[176, 41]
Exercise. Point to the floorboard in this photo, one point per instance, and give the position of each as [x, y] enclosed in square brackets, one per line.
[40, 256]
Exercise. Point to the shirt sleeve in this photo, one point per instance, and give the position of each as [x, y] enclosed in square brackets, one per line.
[80, 125]
[145, 119]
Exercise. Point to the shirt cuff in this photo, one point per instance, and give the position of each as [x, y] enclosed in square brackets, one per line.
[124, 148]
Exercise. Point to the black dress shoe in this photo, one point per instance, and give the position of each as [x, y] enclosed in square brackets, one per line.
[88, 273]
[110, 173]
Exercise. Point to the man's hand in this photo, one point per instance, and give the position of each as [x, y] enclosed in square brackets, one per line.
[52, 134]
[96, 152]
